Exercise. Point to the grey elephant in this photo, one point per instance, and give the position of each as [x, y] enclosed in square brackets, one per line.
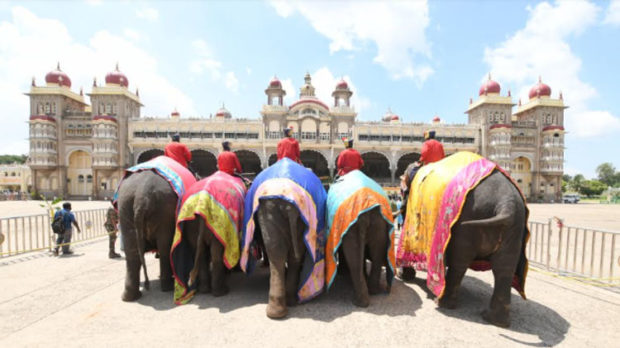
[286, 207]
[360, 224]
[486, 229]
[147, 203]
[206, 240]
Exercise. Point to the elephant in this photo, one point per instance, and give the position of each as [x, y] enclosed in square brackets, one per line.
[360, 227]
[491, 230]
[147, 208]
[285, 209]
[282, 229]
[208, 252]
[369, 239]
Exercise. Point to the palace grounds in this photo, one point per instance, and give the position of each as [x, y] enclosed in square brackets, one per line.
[75, 301]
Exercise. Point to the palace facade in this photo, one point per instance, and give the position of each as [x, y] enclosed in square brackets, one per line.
[80, 149]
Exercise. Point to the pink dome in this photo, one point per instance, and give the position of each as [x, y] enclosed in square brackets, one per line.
[540, 90]
[117, 77]
[342, 85]
[275, 83]
[59, 77]
[436, 119]
[489, 86]
[395, 118]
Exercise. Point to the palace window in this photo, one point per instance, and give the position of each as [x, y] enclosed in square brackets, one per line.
[89, 179]
[80, 178]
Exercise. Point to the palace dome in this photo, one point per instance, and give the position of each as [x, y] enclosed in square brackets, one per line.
[540, 90]
[342, 85]
[116, 77]
[58, 77]
[275, 83]
[223, 113]
[436, 119]
[489, 86]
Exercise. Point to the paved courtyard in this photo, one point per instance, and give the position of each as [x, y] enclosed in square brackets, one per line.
[75, 301]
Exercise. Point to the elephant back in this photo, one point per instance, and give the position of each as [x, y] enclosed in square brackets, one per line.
[351, 196]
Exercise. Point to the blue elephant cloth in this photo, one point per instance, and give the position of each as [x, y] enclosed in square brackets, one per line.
[299, 186]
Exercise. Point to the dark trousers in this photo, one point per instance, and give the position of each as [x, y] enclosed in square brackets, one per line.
[64, 238]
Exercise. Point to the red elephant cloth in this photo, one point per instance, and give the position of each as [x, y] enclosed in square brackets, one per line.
[289, 147]
[228, 162]
[349, 160]
[178, 152]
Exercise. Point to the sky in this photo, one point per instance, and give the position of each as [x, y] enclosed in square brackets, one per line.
[418, 58]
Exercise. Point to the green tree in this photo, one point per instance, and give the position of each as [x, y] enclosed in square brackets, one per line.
[567, 177]
[577, 183]
[9, 159]
[607, 174]
[592, 188]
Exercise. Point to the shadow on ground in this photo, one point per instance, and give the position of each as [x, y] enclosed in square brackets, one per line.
[528, 317]
[246, 291]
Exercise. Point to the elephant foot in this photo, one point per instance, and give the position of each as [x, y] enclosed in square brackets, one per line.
[497, 319]
[220, 291]
[204, 289]
[408, 274]
[291, 301]
[375, 289]
[167, 285]
[276, 309]
[131, 295]
[362, 301]
[447, 302]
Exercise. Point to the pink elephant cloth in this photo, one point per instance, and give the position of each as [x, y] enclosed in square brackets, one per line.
[179, 177]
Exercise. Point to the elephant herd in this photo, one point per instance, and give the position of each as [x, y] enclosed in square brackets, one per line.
[287, 211]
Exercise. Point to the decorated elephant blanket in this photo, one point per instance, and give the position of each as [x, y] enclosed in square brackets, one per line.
[179, 177]
[348, 198]
[297, 185]
[436, 198]
[219, 200]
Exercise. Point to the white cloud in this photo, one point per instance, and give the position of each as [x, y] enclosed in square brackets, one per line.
[398, 29]
[541, 48]
[150, 14]
[205, 62]
[248, 70]
[613, 13]
[26, 35]
[231, 82]
[94, 2]
[132, 34]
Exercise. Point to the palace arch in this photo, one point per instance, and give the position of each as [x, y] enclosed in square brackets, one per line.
[204, 163]
[250, 161]
[404, 161]
[149, 155]
[377, 166]
[79, 174]
[272, 159]
[522, 174]
[316, 161]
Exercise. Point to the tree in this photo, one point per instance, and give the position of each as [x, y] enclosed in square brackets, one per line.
[592, 188]
[567, 177]
[606, 174]
[577, 182]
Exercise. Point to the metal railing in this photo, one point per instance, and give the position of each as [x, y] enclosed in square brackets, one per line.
[24, 234]
[580, 252]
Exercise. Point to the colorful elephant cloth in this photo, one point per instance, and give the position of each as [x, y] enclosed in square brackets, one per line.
[179, 177]
[348, 198]
[218, 199]
[299, 186]
[436, 198]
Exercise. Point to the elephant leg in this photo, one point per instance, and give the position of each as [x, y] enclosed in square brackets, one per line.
[503, 263]
[353, 245]
[459, 255]
[164, 242]
[293, 268]
[132, 261]
[408, 274]
[276, 308]
[218, 274]
[377, 236]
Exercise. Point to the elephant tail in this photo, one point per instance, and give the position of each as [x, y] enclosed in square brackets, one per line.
[501, 219]
[139, 222]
